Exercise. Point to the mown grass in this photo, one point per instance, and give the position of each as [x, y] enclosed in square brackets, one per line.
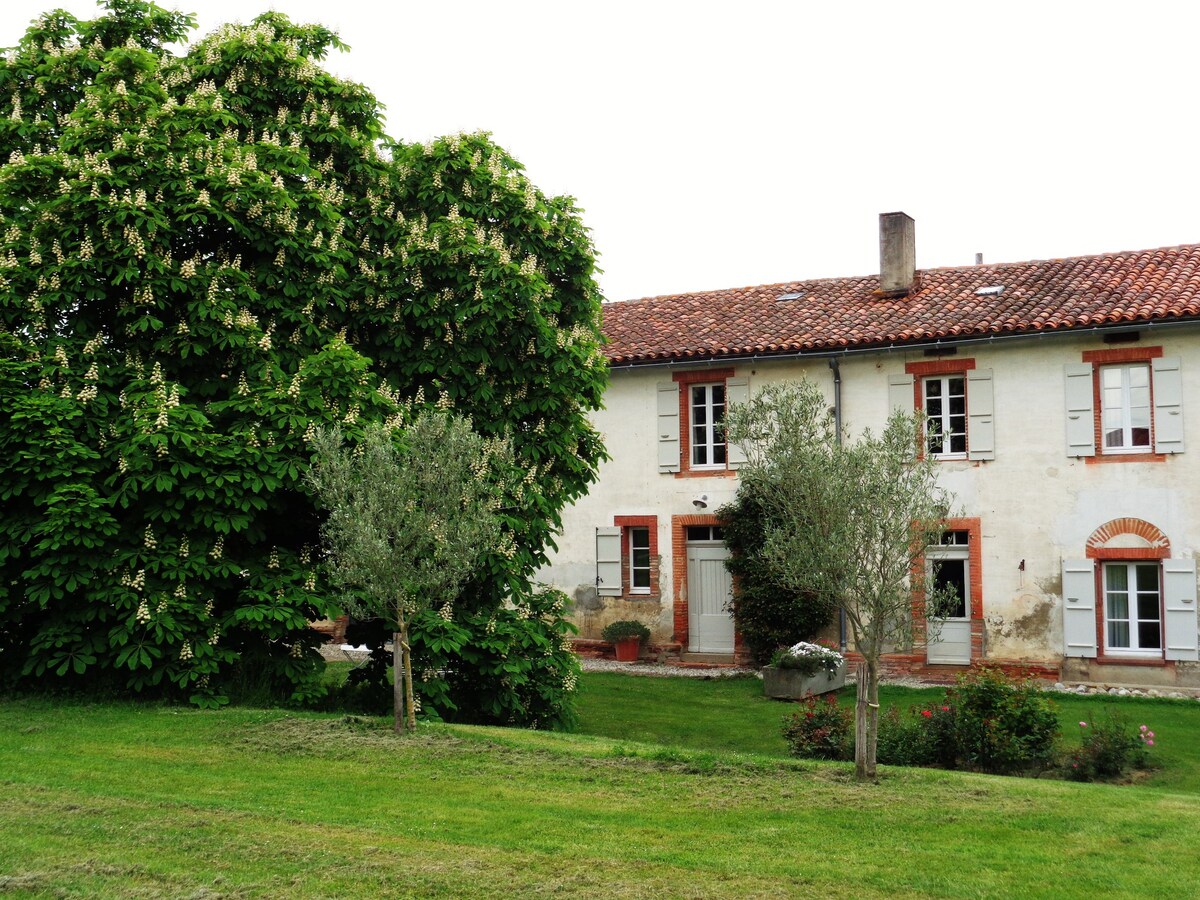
[731, 714]
[102, 799]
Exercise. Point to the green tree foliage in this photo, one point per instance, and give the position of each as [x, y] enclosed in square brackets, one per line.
[845, 522]
[408, 519]
[205, 257]
[769, 613]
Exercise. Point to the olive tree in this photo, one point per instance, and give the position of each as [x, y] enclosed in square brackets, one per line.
[410, 515]
[844, 521]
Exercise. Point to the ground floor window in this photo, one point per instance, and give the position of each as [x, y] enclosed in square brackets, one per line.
[1133, 606]
[639, 560]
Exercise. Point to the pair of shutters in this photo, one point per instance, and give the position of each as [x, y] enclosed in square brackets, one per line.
[737, 390]
[1179, 608]
[981, 424]
[1167, 385]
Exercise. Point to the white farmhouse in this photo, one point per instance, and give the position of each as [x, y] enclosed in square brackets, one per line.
[1067, 427]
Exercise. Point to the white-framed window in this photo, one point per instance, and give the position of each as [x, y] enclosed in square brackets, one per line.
[956, 401]
[946, 415]
[1133, 608]
[639, 560]
[1125, 408]
[708, 425]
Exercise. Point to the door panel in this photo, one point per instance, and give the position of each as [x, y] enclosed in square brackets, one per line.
[710, 587]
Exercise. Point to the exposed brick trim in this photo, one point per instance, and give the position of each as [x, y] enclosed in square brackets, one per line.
[1160, 544]
[679, 604]
[651, 523]
[703, 376]
[684, 380]
[939, 366]
[1114, 355]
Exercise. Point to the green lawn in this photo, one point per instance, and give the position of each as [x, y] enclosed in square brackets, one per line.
[103, 799]
[731, 714]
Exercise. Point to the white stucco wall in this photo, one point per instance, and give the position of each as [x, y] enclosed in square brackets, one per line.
[1035, 504]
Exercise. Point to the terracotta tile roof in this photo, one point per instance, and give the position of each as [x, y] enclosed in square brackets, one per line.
[1052, 295]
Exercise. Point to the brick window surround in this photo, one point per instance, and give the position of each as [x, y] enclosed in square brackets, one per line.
[1159, 549]
[685, 380]
[625, 523]
[920, 370]
[1116, 356]
[975, 570]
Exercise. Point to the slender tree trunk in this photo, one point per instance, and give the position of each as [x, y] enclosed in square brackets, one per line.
[397, 680]
[410, 724]
[872, 715]
[860, 724]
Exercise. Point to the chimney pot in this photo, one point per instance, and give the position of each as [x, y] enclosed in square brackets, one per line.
[897, 252]
[979, 259]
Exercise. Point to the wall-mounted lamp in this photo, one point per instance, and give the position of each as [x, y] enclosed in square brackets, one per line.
[700, 501]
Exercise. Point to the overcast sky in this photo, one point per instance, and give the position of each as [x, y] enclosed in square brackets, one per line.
[718, 145]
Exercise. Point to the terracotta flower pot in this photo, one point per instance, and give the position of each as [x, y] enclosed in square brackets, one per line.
[627, 649]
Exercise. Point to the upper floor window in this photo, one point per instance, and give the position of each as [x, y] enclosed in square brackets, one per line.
[1125, 408]
[946, 416]
[957, 403]
[691, 422]
[708, 425]
[1124, 404]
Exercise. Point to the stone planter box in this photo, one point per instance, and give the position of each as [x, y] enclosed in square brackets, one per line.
[791, 684]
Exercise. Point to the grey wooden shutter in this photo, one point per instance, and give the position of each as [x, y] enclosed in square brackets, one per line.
[737, 390]
[668, 426]
[1179, 606]
[900, 393]
[1081, 422]
[1168, 406]
[608, 561]
[1079, 607]
[981, 428]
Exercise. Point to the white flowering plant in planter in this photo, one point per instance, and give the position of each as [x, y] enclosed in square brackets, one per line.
[809, 658]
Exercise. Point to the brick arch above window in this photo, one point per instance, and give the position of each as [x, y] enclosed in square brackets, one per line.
[1151, 542]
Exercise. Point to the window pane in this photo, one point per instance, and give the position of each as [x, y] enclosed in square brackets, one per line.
[719, 453]
[1111, 377]
[1146, 577]
[1118, 634]
[1118, 606]
[1149, 636]
[1139, 376]
[951, 575]
[933, 389]
[958, 443]
[1147, 607]
[1116, 577]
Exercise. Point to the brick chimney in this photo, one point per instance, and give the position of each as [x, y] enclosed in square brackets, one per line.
[897, 253]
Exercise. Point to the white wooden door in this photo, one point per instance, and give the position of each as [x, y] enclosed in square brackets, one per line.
[710, 588]
[949, 636]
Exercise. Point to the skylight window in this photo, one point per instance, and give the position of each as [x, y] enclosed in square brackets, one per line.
[991, 290]
[794, 295]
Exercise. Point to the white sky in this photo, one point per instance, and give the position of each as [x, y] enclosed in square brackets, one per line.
[718, 145]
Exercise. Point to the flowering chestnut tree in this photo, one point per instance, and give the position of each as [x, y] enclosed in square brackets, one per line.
[206, 256]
